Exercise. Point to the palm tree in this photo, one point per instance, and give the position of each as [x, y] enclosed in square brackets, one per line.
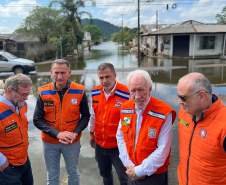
[72, 19]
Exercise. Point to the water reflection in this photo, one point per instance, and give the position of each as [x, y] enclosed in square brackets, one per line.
[165, 72]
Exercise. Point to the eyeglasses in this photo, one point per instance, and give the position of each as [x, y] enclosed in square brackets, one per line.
[185, 98]
[24, 94]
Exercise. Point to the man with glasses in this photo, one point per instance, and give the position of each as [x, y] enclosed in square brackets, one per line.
[15, 166]
[202, 133]
[61, 113]
[145, 133]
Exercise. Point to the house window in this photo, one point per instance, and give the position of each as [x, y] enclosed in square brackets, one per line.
[166, 40]
[207, 42]
[1, 45]
[20, 46]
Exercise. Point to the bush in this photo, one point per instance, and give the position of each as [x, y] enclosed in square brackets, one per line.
[41, 52]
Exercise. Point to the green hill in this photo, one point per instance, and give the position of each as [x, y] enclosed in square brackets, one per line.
[106, 28]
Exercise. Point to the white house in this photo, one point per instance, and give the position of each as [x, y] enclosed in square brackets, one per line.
[192, 39]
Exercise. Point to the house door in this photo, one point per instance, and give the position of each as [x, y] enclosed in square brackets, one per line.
[181, 45]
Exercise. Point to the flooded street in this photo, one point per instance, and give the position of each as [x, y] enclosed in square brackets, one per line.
[165, 74]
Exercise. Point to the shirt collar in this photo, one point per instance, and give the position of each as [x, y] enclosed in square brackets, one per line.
[65, 87]
[145, 106]
[112, 91]
[4, 100]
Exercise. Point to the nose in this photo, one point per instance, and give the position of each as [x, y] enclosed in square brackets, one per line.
[137, 95]
[59, 76]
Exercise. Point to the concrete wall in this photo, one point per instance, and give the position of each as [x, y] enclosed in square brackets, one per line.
[167, 46]
[195, 49]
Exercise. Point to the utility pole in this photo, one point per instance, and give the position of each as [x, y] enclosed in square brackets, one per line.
[61, 47]
[122, 33]
[138, 33]
[157, 27]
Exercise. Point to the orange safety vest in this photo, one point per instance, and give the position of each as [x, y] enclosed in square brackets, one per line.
[14, 134]
[154, 117]
[202, 156]
[107, 114]
[64, 115]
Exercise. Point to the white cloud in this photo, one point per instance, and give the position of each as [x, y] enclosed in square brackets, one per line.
[12, 13]
[5, 29]
[203, 10]
[119, 10]
[17, 8]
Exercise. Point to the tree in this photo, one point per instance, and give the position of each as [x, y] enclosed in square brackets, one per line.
[43, 23]
[72, 20]
[125, 36]
[221, 18]
[94, 31]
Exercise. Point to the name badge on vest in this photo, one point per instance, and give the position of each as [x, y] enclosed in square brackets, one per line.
[74, 101]
[127, 111]
[48, 103]
[152, 133]
[11, 127]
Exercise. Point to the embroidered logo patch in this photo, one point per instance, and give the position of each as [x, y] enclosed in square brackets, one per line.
[183, 122]
[152, 133]
[74, 101]
[203, 133]
[126, 121]
[118, 103]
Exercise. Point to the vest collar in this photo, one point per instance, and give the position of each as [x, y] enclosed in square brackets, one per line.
[214, 107]
[68, 84]
[7, 102]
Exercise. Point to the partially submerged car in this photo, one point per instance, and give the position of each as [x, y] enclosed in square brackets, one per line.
[11, 63]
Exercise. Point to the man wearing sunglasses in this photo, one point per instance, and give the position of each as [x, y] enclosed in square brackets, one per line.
[15, 166]
[202, 133]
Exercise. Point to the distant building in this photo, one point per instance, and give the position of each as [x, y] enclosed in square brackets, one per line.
[148, 43]
[17, 43]
[192, 39]
[87, 40]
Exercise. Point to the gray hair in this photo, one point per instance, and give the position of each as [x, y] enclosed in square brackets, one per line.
[142, 73]
[104, 66]
[16, 81]
[61, 61]
[202, 83]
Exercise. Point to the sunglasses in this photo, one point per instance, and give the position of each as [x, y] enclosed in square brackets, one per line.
[185, 98]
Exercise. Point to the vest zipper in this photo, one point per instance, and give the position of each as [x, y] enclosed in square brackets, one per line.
[189, 153]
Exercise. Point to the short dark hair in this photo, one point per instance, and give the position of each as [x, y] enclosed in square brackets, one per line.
[104, 66]
[61, 61]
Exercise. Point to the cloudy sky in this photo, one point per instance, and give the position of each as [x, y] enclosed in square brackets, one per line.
[13, 12]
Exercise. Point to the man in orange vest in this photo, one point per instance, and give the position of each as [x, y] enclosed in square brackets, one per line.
[145, 133]
[61, 114]
[106, 102]
[202, 133]
[15, 166]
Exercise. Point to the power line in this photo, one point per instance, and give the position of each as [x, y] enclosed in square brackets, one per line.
[122, 3]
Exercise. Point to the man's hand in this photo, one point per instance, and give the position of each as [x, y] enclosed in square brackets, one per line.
[66, 137]
[131, 173]
[4, 165]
